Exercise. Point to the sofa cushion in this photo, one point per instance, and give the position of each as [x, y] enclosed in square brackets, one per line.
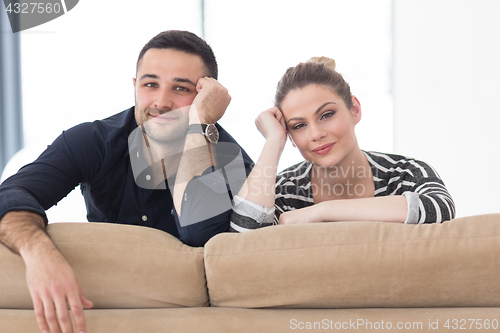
[118, 266]
[358, 264]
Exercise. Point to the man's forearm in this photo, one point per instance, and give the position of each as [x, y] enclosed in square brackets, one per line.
[196, 158]
[20, 230]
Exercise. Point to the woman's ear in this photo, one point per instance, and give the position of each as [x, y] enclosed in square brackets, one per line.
[356, 109]
[291, 140]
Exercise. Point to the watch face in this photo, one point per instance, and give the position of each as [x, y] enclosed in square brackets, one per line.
[212, 133]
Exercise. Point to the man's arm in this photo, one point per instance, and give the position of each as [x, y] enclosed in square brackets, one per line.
[208, 107]
[51, 281]
[23, 200]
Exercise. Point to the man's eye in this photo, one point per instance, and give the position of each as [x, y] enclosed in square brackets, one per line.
[327, 114]
[179, 88]
[151, 85]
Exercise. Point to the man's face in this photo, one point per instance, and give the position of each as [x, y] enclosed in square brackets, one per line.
[165, 87]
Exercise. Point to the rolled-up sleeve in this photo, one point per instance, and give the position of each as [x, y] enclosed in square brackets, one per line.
[247, 215]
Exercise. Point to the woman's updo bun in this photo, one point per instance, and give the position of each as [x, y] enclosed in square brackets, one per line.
[328, 62]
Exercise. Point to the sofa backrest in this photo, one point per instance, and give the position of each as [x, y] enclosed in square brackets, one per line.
[323, 265]
[358, 265]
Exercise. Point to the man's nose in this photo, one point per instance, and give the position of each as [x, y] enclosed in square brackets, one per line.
[164, 100]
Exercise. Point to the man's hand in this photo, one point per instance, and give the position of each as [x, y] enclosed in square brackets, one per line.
[51, 281]
[53, 287]
[211, 101]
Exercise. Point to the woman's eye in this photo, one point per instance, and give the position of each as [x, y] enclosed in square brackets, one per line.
[298, 126]
[327, 114]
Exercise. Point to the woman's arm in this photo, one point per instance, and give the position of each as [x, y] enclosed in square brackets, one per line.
[255, 200]
[392, 208]
[416, 195]
[259, 186]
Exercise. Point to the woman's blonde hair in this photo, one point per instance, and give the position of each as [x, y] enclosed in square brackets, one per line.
[316, 70]
[329, 62]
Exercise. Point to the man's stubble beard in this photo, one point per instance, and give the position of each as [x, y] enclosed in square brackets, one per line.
[164, 133]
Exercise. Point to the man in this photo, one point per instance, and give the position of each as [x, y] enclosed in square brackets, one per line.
[169, 140]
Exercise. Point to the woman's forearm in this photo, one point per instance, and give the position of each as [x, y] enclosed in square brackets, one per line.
[392, 208]
[260, 184]
[385, 209]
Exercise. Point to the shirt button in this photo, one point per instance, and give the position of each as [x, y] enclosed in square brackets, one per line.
[148, 177]
[144, 218]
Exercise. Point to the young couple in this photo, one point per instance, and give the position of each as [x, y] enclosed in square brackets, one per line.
[175, 71]
[337, 181]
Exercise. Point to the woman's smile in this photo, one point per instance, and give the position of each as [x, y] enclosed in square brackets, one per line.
[324, 149]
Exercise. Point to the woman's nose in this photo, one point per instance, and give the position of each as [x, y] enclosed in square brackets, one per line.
[317, 132]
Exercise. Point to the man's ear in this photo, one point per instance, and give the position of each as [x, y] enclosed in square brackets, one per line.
[356, 109]
[133, 80]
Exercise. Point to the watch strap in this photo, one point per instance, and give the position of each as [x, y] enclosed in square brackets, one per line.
[196, 128]
[209, 130]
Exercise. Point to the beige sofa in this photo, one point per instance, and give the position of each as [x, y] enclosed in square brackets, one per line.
[349, 276]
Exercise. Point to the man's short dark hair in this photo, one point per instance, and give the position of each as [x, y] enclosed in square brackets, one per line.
[184, 41]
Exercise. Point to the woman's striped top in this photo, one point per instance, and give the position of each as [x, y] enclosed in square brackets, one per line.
[427, 197]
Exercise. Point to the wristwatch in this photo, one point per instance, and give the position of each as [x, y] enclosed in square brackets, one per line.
[209, 130]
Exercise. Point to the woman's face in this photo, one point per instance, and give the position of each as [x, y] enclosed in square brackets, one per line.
[320, 124]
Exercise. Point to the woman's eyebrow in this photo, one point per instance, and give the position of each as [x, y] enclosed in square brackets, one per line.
[322, 106]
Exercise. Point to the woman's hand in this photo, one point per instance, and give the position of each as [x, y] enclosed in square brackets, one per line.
[311, 214]
[271, 124]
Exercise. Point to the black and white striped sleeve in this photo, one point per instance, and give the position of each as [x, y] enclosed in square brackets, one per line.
[428, 199]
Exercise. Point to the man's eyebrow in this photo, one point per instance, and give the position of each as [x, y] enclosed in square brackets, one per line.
[182, 80]
[315, 112]
[177, 79]
[149, 76]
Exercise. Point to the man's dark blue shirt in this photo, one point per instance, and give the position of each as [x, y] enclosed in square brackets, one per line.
[96, 156]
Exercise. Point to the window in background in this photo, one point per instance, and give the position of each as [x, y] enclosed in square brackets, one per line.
[255, 42]
[80, 66]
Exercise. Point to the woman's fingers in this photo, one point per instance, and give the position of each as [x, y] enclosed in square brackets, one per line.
[271, 124]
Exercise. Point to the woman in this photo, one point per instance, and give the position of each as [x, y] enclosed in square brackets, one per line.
[337, 181]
